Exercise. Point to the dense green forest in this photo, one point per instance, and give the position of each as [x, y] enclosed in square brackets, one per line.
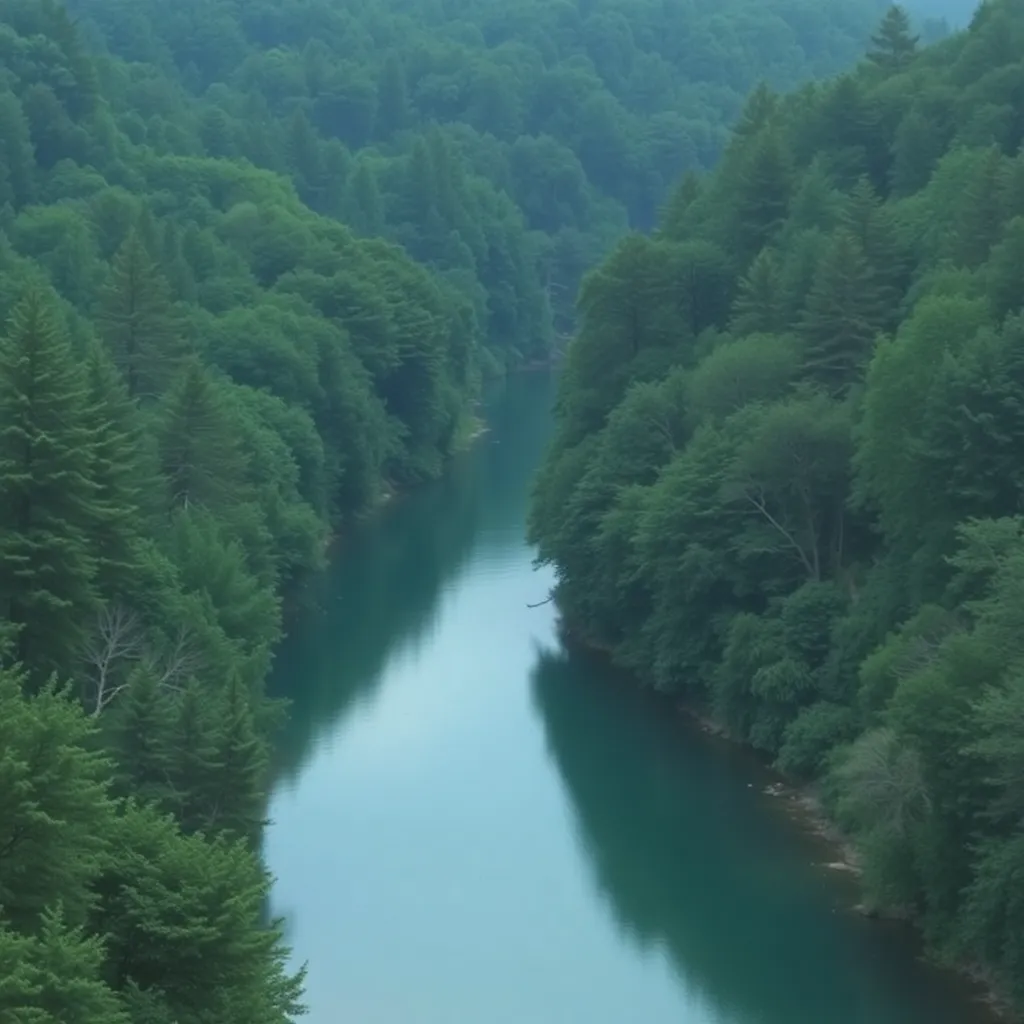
[506, 145]
[786, 483]
[254, 261]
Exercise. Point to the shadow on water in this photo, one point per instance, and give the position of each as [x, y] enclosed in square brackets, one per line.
[690, 855]
[381, 595]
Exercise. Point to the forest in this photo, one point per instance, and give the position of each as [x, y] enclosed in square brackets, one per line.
[786, 484]
[255, 260]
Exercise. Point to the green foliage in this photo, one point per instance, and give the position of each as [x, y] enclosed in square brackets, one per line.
[829, 554]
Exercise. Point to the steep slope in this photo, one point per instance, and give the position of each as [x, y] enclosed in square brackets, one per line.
[786, 483]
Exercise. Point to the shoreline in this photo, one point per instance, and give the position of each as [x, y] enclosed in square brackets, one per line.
[804, 808]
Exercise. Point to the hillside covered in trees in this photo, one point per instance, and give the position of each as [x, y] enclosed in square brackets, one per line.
[786, 484]
[254, 260]
[506, 145]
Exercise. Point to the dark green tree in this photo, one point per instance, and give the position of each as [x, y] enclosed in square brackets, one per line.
[843, 317]
[137, 322]
[48, 496]
[893, 46]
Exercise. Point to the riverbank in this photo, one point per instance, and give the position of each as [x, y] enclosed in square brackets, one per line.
[803, 806]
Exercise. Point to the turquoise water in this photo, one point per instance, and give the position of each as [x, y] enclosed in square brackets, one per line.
[472, 825]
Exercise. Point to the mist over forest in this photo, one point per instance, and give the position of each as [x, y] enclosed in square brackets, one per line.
[258, 260]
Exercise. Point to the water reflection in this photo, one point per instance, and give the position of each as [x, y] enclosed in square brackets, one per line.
[384, 590]
[691, 857]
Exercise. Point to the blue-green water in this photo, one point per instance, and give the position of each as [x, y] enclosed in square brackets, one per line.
[472, 825]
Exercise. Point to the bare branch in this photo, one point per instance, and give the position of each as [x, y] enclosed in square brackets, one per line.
[119, 642]
[761, 507]
[117, 638]
[174, 665]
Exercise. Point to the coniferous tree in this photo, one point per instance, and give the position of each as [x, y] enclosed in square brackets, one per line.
[893, 47]
[140, 737]
[871, 223]
[56, 813]
[758, 308]
[241, 775]
[183, 917]
[764, 193]
[125, 480]
[200, 453]
[843, 317]
[48, 497]
[136, 320]
[194, 763]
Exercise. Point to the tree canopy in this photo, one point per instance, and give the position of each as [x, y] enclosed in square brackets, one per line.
[800, 509]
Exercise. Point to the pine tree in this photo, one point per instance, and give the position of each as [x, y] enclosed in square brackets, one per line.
[763, 193]
[124, 479]
[241, 775]
[184, 920]
[56, 812]
[194, 762]
[893, 45]
[979, 218]
[136, 320]
[871, 223]
[200, 453]
[674, 214]
[48, 497]
[758, 308]
[140, 738]
[843, 316]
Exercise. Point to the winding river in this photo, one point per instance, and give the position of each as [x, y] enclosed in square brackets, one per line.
[472, 825]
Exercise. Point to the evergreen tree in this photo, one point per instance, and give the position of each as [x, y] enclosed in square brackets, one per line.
[56, 814]
[183, 918]
[48, 497]
[194, 762]
[123, 477]
[140, 737]
[200, 452]
[979, 214]
[872, 224]
[758, 308]
[893, 47]
[241, 775]
[843, 317]
[136, 320]
[764, 193]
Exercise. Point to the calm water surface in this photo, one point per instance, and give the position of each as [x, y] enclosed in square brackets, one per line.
[473, 826]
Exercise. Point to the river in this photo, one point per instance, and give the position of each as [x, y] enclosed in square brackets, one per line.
[472, 825]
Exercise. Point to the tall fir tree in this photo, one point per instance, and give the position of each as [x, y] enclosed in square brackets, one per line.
[843, 317]
[872, 224]
[758, 308]
[125, 479]
[764, 193]
[195, 764]
[242, 763]
[893, 46]
[200, 452]
[48, 496]
[56, 811]
[136, 320]
[140, 738]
